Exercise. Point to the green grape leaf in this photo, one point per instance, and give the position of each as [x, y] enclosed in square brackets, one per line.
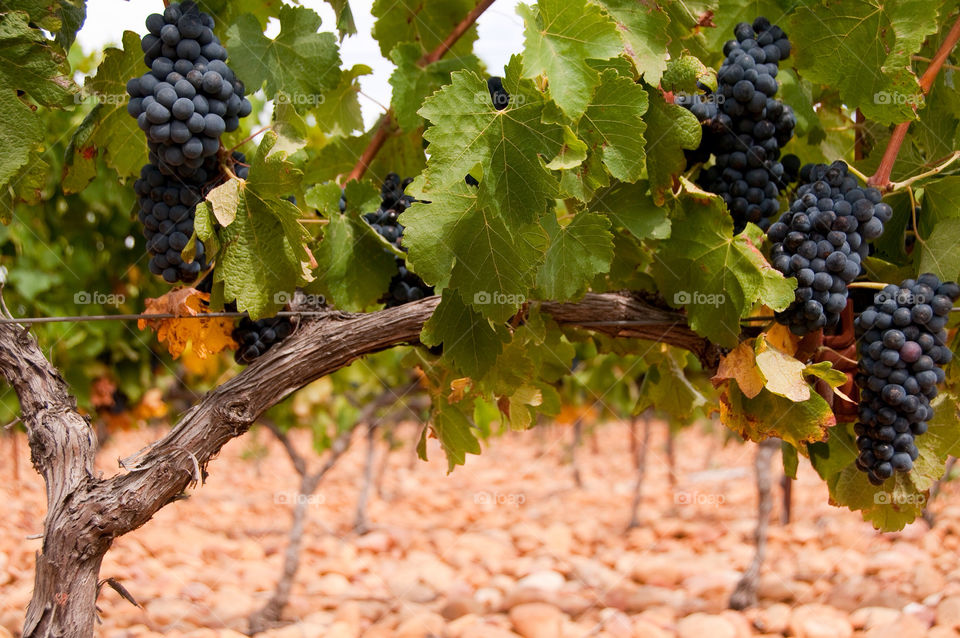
[264, 249]
[672, 129]
[453, 430]
[716, 277]
[354, 269]
[767, 415]
[469, 341]
[791, 460]
[62, 17]
[28, 63]
[863, 49]
[630, 206]
[301, 62]
[494, 269]
[340, 110]
[613, 126]
[509, 145]
[26, 186]
[938, 252]
[412, 83]
[226, 12]
[429, 228]
[643, 29]
[345, 23]
[560, 36]
[940, 199]
[686, 73]
[425, 23]
[108, 129]
[577, 253]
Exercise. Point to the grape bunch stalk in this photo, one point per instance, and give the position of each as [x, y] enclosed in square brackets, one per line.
[822, 241]
[186, 101]
[405, 286]
[744, 127]
[903, 348]
[255, 338]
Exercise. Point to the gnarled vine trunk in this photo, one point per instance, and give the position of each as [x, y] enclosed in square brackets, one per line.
[86, 512]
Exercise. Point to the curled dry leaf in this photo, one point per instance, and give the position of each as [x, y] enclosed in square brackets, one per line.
[208, 335]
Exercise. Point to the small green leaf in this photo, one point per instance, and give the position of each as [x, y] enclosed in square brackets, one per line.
[686, 74]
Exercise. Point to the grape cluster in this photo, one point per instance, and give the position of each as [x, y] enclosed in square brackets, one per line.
[187, 100]
[822, 241]
[404, 286]
[902, 351]
[166, 210]
[256, 337]
[744, 127]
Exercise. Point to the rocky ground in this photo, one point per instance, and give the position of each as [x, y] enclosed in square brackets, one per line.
[507, 546]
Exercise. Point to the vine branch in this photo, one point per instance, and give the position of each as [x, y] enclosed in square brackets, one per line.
[388, 124]
[881, 179]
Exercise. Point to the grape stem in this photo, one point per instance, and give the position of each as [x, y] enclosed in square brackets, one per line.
[881, 179]
[388, 123]
[920, 58]
[869, 285]
[895, 186]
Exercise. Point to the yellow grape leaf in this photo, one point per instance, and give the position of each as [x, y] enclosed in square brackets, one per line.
[204, 367]
[224, 200]
[783, 373]
[208, 336]
[741, 365]
[780, 337]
